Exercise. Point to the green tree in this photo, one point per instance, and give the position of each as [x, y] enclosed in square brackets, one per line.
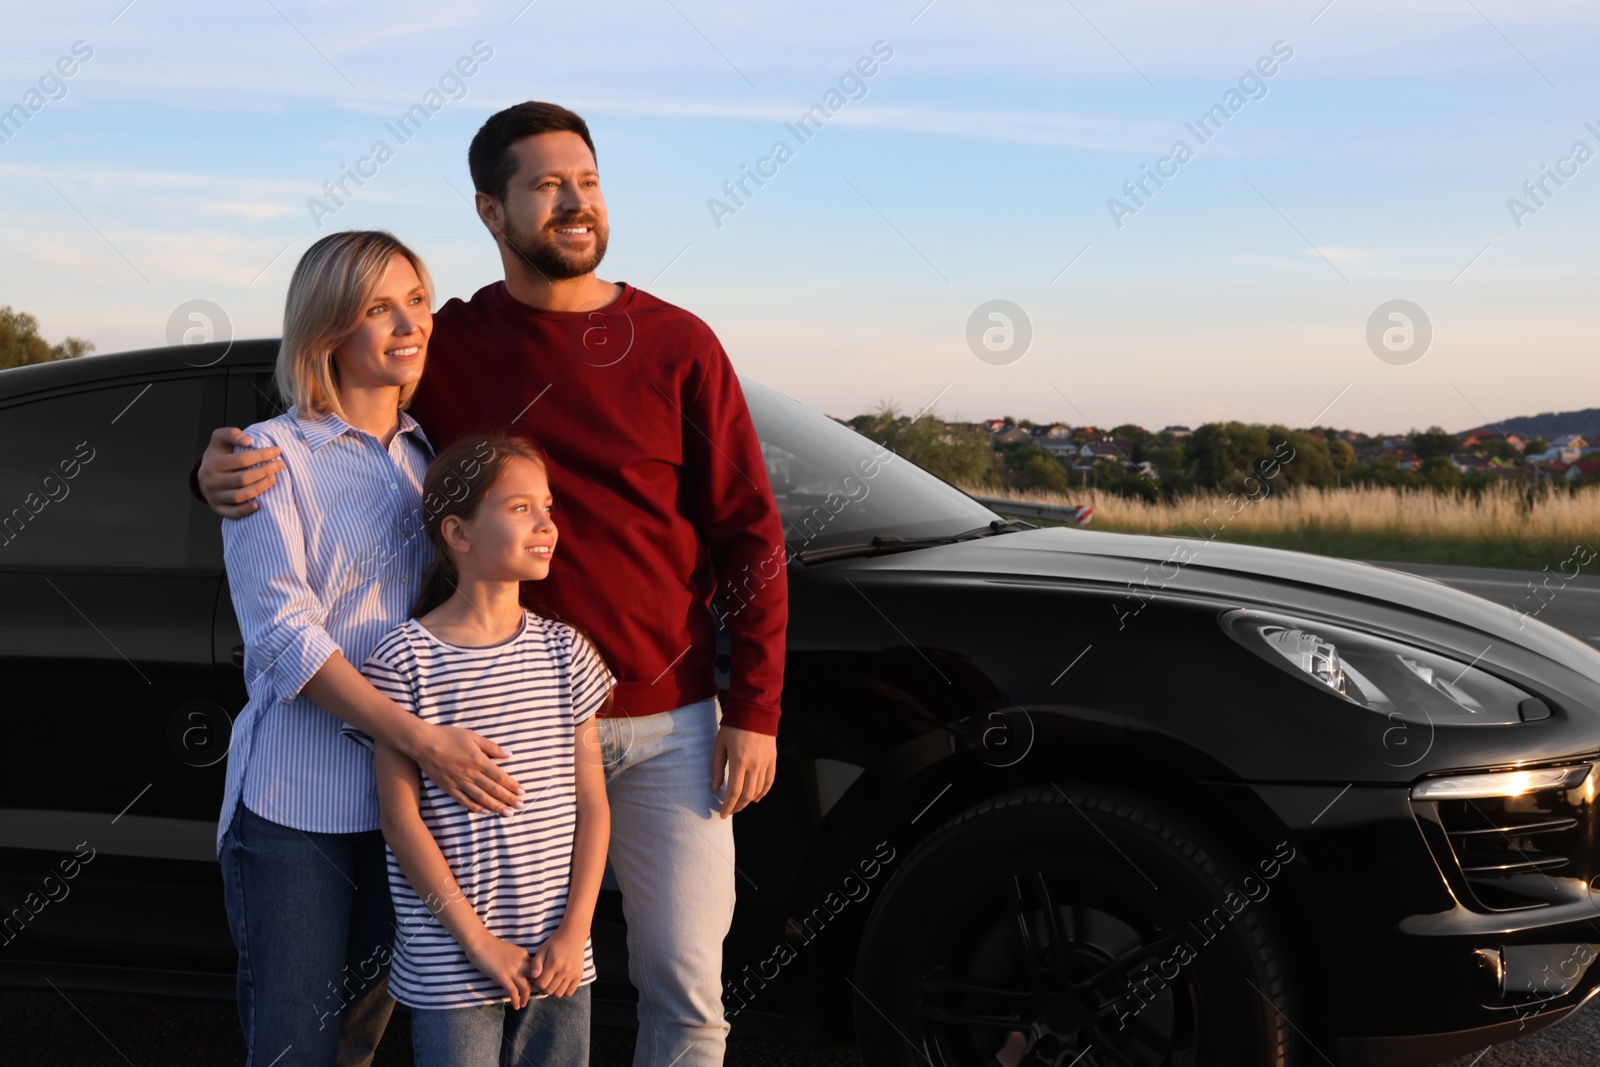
[1167, 459]
[1440, 472]
[1434, 441]
[1384, 471]
[1031, 467]
[1238, 457]
[1113, 476]
[962, 455]
[1497, 448]
[1134, 436]
[1310, 462]
[20, 343]
[1341, 455]
[1217, 452]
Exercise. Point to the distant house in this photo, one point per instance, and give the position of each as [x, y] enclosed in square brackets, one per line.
[1012, 435]
[1403, 459]
[1059, 447]
[1584, 468]
[1055, 431]
[1569, 440]
[1177, 431]
[995, 425]
[1098, 450]
[1557, 455]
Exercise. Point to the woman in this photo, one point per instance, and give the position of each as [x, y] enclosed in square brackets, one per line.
[330, 562]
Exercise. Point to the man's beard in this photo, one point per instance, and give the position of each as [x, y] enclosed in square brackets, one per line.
[553, 262]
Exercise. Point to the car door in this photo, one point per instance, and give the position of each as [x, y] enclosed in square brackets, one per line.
[111, 768]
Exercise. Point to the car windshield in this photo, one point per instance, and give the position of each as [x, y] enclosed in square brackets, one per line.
[835, 487]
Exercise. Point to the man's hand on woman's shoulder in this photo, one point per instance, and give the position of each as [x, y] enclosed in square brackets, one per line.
[230, 480]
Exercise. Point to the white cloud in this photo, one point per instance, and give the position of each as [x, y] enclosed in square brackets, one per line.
[251, 210]
[1338, 255]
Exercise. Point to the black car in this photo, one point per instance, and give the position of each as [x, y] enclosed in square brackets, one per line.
[1046, 796]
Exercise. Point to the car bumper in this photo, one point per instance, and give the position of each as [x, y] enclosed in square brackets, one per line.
[1401, 962]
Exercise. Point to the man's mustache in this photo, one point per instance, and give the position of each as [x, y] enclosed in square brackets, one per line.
[589, 221]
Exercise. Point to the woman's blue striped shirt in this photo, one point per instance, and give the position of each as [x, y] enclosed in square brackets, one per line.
[329, 562]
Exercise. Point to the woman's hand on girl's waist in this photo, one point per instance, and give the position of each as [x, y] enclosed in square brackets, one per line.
[462, 764]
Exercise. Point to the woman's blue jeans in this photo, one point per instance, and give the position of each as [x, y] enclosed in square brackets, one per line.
[312, 921]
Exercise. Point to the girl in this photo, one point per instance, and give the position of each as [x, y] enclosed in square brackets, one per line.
[492, 950]
[325, 566]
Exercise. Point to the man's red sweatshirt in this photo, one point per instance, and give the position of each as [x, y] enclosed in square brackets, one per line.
[658, 479]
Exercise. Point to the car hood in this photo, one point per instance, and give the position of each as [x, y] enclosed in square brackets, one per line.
[1359, 593]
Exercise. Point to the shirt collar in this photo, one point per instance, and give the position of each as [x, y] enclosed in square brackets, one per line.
[320, 427]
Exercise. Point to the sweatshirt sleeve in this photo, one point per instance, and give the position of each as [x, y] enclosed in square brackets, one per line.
[740, 522]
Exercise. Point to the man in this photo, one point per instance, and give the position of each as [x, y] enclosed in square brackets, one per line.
[661, 490]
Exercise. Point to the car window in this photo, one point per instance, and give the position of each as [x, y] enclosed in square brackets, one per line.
[269, 402]
[98, 477]
[834, 486]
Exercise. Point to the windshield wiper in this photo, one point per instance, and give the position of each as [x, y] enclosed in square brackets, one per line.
[895, 543]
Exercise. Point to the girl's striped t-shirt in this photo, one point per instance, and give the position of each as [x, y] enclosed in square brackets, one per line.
[527, 694]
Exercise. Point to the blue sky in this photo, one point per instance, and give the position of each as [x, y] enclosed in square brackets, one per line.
[977, 163]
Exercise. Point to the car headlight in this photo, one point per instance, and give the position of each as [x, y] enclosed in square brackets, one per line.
[1506, 784]
[1396, 680]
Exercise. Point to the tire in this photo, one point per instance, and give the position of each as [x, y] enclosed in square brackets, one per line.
[957, 966]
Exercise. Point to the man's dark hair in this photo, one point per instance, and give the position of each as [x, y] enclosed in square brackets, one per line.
[489, 156]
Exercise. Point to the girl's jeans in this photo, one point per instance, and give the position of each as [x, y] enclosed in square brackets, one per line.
[548, 1032]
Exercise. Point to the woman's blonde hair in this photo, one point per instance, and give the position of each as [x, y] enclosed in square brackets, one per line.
[332, 285]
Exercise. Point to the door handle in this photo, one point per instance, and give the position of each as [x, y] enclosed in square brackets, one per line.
[237, 656]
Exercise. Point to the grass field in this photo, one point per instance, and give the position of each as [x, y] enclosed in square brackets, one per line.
[1497, 529]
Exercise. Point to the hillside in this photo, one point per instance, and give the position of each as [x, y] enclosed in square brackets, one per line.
[1585, 423]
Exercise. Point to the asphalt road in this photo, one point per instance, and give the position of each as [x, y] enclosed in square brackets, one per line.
[1570, 604]
[41, 1029]
[50, 1028]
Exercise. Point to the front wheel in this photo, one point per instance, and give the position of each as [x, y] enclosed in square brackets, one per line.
[1072, 929]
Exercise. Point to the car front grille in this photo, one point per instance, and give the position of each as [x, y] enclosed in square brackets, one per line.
[1510, 853]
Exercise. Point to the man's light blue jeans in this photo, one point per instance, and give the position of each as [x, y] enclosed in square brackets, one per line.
[672, 854]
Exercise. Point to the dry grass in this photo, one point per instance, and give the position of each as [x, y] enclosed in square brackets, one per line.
[1496, 529]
